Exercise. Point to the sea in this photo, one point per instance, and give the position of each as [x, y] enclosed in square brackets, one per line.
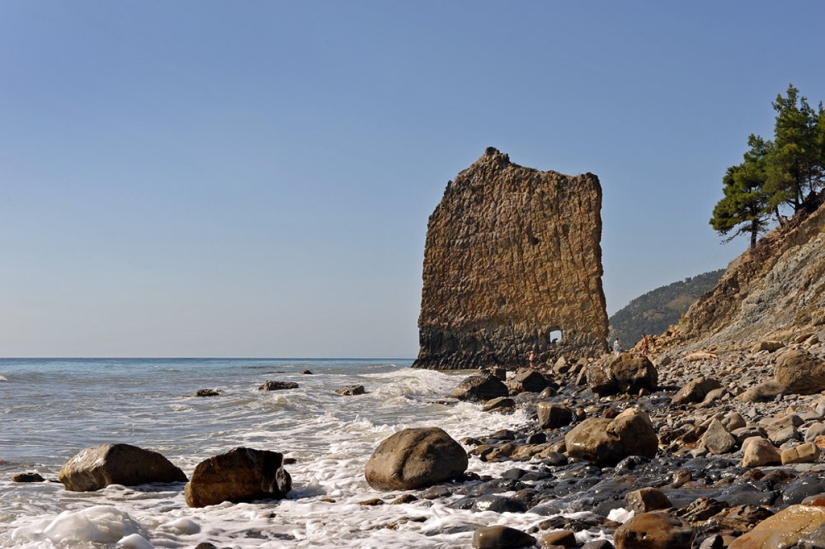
[53, 408]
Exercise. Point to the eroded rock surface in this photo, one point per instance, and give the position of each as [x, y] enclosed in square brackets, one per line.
[512, 254]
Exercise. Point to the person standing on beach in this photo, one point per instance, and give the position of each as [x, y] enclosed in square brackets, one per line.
[617, 348]
[644, 345]
[532, 357]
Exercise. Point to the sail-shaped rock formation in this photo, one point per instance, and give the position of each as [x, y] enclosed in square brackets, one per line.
[512, 256]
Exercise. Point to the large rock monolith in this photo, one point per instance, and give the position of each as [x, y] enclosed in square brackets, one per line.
[242, 474]
[99, 466]
[415, 458]
[512, 255]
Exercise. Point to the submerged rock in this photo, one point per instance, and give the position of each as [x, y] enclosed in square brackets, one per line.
[270, 385]
[480, 387]
[242, 474]
[415, 458]
[99, 466]
[351, 390]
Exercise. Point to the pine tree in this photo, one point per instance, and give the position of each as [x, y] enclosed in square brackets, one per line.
[746, 204]
[795, 162]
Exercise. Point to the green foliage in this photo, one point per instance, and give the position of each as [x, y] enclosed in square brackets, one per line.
[746, 204]
[774, 173]
[655, 311]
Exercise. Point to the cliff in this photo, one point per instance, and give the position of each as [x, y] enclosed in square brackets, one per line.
[775, 291]
[512, 254]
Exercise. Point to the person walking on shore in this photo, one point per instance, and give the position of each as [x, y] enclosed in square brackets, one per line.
[617, 348]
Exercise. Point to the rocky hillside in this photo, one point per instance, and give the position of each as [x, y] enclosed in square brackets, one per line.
[655, 311]
[775, 291]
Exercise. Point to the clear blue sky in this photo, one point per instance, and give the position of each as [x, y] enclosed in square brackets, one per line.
[199, 178]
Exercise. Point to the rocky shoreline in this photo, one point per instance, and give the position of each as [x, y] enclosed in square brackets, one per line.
[735, 447]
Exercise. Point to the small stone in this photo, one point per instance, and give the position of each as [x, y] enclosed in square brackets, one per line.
[645, 500]
[27, 477]
[270, 385]
[501, 537]
[548, 392]
[351, 390]
[562, 538]
[371, 502]
[404, 498]
[807, 452]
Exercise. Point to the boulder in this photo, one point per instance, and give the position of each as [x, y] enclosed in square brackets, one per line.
[696, 390]
[501, 537]
[270, 385]
[559, 538]
[626, 373]
[500, 404]
[801, 372]
[783, 529]
[415, 458]
[553, 416]
[206, 393]
[760, 452]
[646, 500]
[480, 387]
[608, 441]
[242, 474]
[764, 392]
[528, 380]
[351, 390]
[766, 345]
[717, 439]
[807, 452]
[99, 466]
[655, 530]
[27, 477]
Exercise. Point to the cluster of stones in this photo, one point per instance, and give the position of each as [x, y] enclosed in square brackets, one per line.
[705, 450]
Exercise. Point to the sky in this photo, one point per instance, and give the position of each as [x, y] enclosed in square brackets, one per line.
[254, 179]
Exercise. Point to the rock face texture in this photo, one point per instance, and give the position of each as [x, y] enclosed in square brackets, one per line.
[512, 254]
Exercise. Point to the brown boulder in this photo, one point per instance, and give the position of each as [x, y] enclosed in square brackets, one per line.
[645, 500]
[501, 537]
[480, 387]
[242, 474]
[764, 392]
[270, 385]
[99, 466]
[783, 529]
[760, 452]
[415, 458]
[656, 530]
[696, 390]
[626, 373]
[351, 390]
[801, 372]
[553, 416]
[528, 380]
[608, 441]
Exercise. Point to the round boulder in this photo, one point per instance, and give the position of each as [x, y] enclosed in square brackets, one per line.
[99, 466]
[242, 474]
[626, 373]
[351, 390]
[801, 372]
[481, 387]
[415, 458]
[655, 530]
[501, 537]
[608, 441]
[696, 390]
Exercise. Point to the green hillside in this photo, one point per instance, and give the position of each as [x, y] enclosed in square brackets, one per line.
[655, 311]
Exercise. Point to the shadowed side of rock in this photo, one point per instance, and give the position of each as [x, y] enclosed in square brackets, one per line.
[512, 261]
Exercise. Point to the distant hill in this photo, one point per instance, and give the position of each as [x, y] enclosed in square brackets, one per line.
[655, 311]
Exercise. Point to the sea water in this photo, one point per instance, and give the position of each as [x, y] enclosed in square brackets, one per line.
[53, 408]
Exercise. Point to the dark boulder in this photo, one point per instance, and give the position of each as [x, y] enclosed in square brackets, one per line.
[480, 387]
[270, 385]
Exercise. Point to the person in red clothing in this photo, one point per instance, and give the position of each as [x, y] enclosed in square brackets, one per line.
[532, 357]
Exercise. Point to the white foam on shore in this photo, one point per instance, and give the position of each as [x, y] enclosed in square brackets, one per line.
[332, 437]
